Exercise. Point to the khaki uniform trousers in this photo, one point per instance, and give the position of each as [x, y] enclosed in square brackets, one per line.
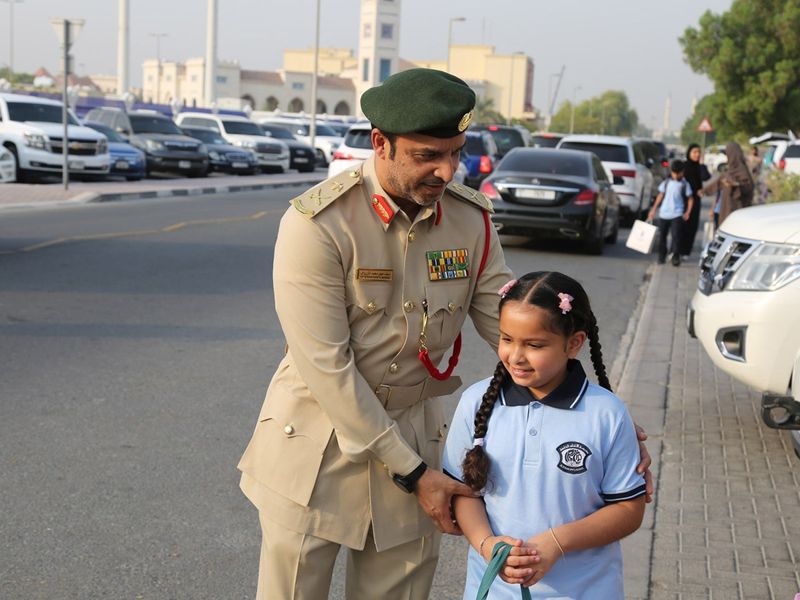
[299, 566]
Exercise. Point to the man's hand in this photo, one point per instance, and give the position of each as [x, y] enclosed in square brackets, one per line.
[435, 492]
[644, 464]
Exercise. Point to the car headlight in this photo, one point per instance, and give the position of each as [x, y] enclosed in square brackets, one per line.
[37, 140]
[214, 155]
[202, 149]
[768, 268]
[102, 147]
[154, 145]
[245, 143]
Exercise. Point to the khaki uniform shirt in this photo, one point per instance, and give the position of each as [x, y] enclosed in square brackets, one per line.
[350, 403]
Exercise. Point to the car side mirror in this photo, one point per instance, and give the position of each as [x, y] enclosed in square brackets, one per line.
[649, 162]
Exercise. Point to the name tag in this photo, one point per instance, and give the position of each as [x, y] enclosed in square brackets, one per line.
[374, 274]
[448, 264]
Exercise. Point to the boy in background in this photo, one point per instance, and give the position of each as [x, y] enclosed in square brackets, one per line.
[674, 205]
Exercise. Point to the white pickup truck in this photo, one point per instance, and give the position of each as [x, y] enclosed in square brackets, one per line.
[746, 311]
[32, 130]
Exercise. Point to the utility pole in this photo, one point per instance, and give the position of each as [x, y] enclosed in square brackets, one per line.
[11, 37]
[122, 48]
[572, 114]
[158, 37]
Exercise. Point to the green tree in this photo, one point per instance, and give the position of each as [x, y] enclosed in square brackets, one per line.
[752, 55]
[610, 113]
[485, 112]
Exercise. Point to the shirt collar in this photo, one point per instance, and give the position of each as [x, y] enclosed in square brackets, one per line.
[373, 187]
[566, 396]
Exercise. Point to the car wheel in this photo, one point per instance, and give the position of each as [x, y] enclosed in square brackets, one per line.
[306, 169]
[594, 245]
[19, 173]
[134, 178]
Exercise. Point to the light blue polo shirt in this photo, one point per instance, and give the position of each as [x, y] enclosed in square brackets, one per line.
[552, 462]
[675, 191]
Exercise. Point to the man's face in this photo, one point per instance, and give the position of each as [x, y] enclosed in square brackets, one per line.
[420, 167]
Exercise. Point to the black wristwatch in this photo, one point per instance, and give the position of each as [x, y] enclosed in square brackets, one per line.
[408, 483]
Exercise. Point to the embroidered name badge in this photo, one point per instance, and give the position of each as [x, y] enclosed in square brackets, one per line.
[448, 264]
[573, 457]
[374, 274]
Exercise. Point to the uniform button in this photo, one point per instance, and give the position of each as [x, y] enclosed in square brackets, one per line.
[409, 306]
[393, 368]
[288, 430]
[536, 405]
[532, 431]
[451, 306]
[411, 236]
[371, 306]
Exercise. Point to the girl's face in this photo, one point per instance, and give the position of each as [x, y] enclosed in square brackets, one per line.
[695, 154]
[534, 356]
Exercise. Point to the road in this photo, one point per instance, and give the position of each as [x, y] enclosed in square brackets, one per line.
[136, 341]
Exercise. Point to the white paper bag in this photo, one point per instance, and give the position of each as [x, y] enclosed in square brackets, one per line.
[642, 237]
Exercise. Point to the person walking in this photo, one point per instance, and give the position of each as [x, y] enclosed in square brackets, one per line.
[553, 454]
[673, 206]
[695, 173]
[375, 271]
[735, 184]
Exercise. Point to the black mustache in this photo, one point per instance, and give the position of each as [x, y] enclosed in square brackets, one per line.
[436, 181]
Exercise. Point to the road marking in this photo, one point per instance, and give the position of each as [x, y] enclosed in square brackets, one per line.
[141, 232]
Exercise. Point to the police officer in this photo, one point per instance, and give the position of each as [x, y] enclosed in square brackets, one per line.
[375, 271]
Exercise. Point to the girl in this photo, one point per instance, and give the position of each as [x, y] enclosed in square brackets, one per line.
[554, 455]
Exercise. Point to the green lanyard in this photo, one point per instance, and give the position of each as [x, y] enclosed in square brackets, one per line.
[500, 553]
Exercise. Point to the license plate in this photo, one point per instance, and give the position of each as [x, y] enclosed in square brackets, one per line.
[76, 165]
[239, 165]
[122, 164]
[184, 164]
[300, 160]
[535, 194]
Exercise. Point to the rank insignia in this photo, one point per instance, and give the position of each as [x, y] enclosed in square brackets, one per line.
[382, 207]
[448, 264]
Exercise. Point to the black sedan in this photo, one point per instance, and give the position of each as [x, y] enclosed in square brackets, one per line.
[222, 156]
[302, 157]
[546, 193]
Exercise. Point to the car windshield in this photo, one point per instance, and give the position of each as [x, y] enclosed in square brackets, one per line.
[33, 111]
[303, 129]
[242, 128]
[545, 141]
[205, 135]
[551, 163]
[506, 139]
[153, 124]
[474, 145]
[112, 135]
[359, 138]
[792, 152]
[277, 132]
[606, 152]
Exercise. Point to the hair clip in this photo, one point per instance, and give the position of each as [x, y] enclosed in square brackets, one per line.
[565, 304]
[507, 288]
[477, 442]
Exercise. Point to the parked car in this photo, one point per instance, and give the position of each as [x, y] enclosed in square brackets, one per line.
[505, 137]
[326, 140]
[715, 158]
[273, 154]
[165, 146]
[790, 161]
[222, 156]
[356, 147]
[32, 131]
[126, 161]
[545, 139]
[656, 158]
[544, 192]
[626, 169]
[479, 156]
[301, 155]
[8, 166]
[745, 311]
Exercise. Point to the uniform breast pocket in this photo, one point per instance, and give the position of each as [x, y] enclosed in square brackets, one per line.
[367, 307]
[447, 309]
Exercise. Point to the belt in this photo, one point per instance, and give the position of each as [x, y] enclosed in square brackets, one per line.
[394, 397]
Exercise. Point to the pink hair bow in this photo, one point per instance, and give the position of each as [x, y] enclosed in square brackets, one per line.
[565, 304]
[507, 288]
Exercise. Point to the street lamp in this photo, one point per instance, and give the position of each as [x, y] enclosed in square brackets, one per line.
[572, 115]
[450, 36]
[312, 129]
[11, 37]
[511, 85]
[158, 37]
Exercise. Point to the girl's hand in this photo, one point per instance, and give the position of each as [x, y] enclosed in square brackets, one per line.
[549, 553]
[520, 564]
[686, 216]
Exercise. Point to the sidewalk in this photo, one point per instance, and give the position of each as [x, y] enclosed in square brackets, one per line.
[43, 195]
[726, 518]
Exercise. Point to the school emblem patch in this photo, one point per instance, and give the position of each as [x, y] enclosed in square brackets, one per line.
[572, 457]
[448, 264]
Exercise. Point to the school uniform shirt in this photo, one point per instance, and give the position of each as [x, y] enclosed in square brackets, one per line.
[673, 205]
[553, 461]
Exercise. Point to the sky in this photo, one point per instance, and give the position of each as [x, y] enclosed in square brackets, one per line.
[629, 45]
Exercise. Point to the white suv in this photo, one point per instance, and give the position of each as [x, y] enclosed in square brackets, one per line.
[626, 167]
[356, 147]
[272, 153]
[746, 312]
[326, 140]
[32, 130]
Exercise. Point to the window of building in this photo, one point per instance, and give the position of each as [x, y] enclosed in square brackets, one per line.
[365, 70]
[385, 69]
[298, 85]
[367, 33]
[222, 79]
[387, 31]
[342, 108]
[271, 103]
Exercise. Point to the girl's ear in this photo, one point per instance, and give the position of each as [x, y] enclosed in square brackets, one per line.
[575, 343]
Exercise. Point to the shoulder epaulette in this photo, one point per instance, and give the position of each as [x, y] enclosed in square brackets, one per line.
[313, 201]
[467, 194]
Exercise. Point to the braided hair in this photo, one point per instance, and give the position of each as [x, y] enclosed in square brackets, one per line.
[540, 289]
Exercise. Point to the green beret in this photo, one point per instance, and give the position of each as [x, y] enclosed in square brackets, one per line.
[423, 101]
